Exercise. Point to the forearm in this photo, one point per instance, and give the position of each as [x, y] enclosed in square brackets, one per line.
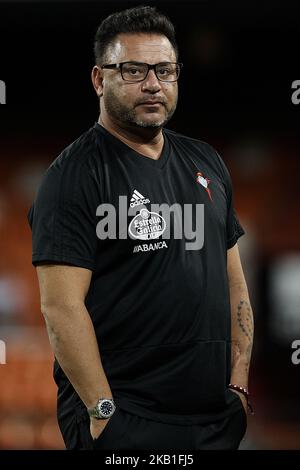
[242, 331]
[72, 337]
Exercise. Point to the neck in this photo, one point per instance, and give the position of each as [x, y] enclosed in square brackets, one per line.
[146, 141]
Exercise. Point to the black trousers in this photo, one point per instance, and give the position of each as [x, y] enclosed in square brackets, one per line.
[126, 431]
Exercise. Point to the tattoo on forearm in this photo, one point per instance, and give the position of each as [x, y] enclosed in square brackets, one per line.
[245, 323]
[235, 351]
[244, 318]
[248, 353]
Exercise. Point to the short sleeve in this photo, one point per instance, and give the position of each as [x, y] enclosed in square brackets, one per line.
[233, 226]
[63, 216]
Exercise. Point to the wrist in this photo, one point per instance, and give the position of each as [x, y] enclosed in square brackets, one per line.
[95, 393]
[93, 403]
[104, 408]
[243, 391]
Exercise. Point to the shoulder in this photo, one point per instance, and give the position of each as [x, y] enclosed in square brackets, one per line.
[73, 171]
[80, 153]
[199, 151]
[78, 165]
[187, 140]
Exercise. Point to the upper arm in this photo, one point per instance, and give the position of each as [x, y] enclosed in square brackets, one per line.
[63, 217]
[62, 285]
[234, 267]
[234, 228]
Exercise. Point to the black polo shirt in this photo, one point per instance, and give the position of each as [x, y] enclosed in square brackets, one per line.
[161, 309]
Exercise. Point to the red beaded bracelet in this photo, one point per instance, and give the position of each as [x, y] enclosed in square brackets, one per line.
[244, 392]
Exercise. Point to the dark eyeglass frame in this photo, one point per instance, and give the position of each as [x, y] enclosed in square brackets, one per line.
[149, 67]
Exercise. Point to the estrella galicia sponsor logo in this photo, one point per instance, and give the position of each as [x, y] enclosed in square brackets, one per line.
[147, 225]
[2, 92]
[150, 246]
[176, 221]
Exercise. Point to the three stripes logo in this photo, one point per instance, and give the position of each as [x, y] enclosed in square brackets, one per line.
[138, 199]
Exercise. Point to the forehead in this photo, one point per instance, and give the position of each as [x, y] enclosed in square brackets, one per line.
[140, 47]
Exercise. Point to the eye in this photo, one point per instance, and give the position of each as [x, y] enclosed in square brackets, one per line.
[134, 70]
[166, 70]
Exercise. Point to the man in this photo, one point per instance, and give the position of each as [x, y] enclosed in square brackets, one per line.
[136, 305]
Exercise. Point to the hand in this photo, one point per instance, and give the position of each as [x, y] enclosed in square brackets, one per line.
[97, 426]
[243, 400]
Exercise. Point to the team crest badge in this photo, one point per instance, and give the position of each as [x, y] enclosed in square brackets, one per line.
[204, 182]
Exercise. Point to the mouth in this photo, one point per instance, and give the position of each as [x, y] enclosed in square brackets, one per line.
[151, 103]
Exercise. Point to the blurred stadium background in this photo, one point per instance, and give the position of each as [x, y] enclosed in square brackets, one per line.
[235, 92]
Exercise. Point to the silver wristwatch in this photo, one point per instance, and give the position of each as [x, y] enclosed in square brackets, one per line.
[104, 409]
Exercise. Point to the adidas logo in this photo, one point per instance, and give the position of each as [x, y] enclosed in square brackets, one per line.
[138, 199]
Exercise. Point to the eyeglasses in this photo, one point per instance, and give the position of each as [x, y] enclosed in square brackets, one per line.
[138, 71]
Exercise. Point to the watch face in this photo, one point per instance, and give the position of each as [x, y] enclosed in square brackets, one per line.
[106, 408]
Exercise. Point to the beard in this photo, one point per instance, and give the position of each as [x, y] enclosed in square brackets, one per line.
[129, 115]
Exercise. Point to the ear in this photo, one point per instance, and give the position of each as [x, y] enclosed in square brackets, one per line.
[97, 79]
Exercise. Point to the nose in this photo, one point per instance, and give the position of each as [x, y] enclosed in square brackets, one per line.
[151, 83]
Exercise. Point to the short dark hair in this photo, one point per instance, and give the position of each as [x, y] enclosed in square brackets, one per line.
[141, 19]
